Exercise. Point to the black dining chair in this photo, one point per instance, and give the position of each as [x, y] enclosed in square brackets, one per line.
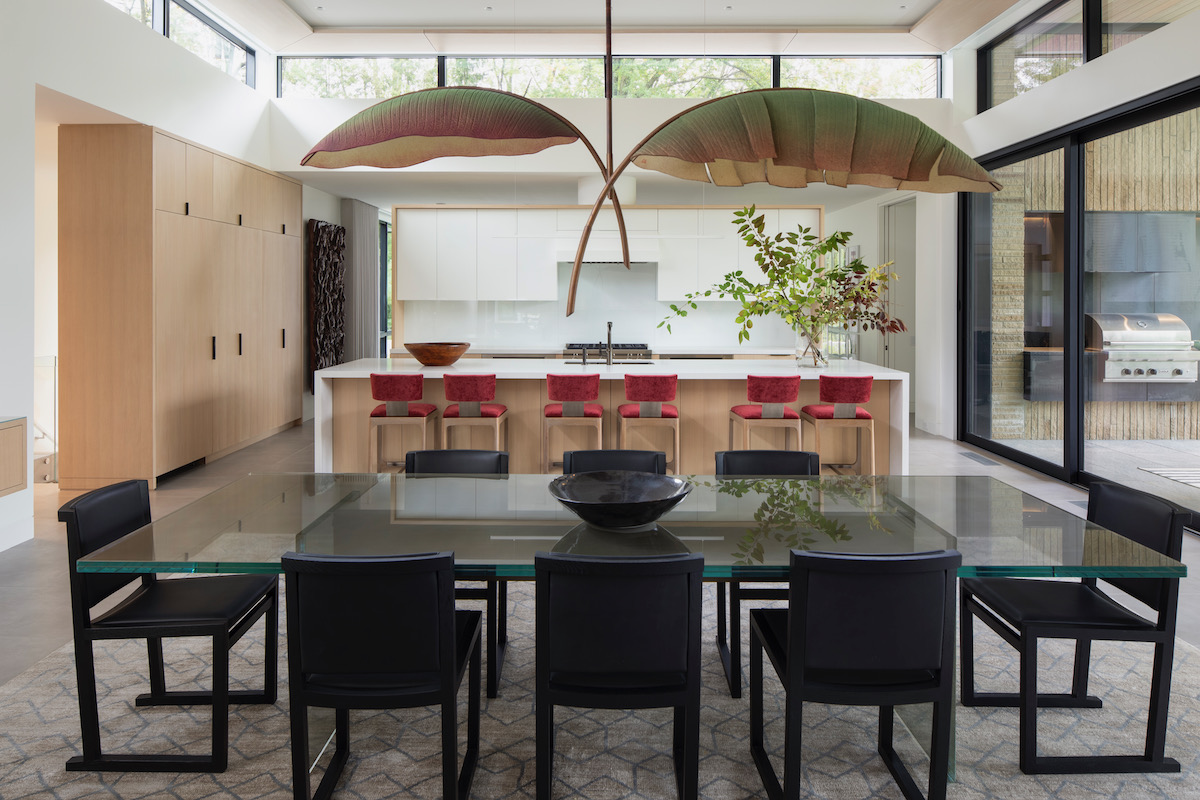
[222, 608]
[456, 462]
[619, 632]
[495, 591]
[1024, 611]
[374, 632]
[604, 460]
[859, 630]
[744, 464]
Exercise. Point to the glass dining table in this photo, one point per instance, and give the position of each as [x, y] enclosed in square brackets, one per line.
[745, 527]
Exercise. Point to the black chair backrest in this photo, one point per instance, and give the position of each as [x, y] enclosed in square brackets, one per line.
[456, 462]
[380, 615]
[767, 462]
[618, 615]
[94, 520]
[866, 614]
[1150, 521]
[606, 460]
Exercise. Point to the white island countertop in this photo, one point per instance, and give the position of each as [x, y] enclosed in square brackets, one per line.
[686, 369]
[536, 369]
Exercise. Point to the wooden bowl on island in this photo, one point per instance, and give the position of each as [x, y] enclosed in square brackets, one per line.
[437, 354]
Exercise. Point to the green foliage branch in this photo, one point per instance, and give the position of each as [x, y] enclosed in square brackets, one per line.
[804, 281]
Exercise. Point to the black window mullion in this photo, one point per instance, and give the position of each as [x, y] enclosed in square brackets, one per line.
[441, 69]
[1073, 363]
[158, 15]
[1093, 28]
[776, 71]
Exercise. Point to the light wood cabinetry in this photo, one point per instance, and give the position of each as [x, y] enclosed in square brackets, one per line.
[14, 466]
[171, 314]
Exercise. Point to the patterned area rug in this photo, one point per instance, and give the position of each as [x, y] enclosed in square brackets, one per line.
[605, 755]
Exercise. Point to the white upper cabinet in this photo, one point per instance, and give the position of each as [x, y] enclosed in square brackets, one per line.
[679, 250]
[537, 266]
[496, 248]
[509, 254]
[415, 239]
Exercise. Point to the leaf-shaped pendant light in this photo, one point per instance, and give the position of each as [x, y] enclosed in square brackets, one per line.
[794, 137]
[449, 121]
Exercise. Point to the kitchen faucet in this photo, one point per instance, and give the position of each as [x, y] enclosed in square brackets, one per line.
[609, 359]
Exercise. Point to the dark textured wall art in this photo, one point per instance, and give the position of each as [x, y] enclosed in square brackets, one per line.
[326, 246]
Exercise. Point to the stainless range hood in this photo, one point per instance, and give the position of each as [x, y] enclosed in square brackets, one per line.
[1143, 347]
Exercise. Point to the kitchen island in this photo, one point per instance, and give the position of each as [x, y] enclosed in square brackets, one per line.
[706, 392]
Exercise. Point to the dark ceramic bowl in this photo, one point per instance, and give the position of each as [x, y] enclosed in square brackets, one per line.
[437, 354]
[617, 499]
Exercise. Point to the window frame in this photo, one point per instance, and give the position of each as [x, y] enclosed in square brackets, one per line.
[775, 60]
[936, 58]
[160, 23]
[1073, 138]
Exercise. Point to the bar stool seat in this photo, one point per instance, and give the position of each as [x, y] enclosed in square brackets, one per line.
[840, 396]
[768, 395]
[399, 393]
[472, 406]
[571, 394]
[650, 409]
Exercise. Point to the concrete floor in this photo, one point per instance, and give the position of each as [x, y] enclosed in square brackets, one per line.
[35, 614]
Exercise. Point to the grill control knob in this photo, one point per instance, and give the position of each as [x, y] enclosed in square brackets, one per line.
[1176, 372]
[1126, 372]
[1139, 371]
[1151, 372]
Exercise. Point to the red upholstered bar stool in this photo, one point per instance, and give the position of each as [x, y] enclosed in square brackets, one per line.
[470, 407]
[773, 392]
[650, 408]
[840, 396]
[398, 393]
[571, 394]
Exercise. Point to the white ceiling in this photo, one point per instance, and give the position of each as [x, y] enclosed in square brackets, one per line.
[541, 14]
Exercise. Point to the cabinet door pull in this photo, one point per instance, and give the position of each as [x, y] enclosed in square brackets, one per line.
[239, 219]
[214, 346]
[283, 337]
[284, 227]
[185, 208]
[239, 344]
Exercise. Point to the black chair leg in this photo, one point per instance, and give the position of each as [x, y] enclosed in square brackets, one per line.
[1027, 721]
[793, 728]
[497, 633]
[301, 788]
[154, 653]
[450, 748]
[730, 647]
[758, 750]
[89, 704]
[220, 702]
[474, 704]
[544, 746]
[341, 754]
[966, 650]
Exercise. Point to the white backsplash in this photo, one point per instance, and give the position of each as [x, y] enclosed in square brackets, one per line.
[606, 292]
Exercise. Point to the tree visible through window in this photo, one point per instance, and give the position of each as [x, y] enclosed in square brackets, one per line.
[689, 77]
[872, 77]
[361, 78]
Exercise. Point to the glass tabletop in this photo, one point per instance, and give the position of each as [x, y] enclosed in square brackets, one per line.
[744, 527]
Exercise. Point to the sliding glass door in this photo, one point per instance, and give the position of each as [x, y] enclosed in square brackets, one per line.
[1081, 303]
[1016, 339]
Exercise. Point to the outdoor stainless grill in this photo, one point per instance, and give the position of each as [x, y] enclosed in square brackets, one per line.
[1143, 347]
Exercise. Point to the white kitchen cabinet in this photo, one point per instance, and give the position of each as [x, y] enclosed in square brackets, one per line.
[679, 251]
[572, 220]
[720, 254]
[496, 254]
[789, 218]
[457, 240]
[415, 239]
[537, 267]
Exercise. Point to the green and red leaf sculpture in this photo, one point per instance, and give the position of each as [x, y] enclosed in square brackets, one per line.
[446, 121]
[794, 137]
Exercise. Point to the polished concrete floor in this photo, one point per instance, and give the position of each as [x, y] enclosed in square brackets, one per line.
[34, 597]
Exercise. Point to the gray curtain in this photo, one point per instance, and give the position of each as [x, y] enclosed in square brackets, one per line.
[362, 279]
